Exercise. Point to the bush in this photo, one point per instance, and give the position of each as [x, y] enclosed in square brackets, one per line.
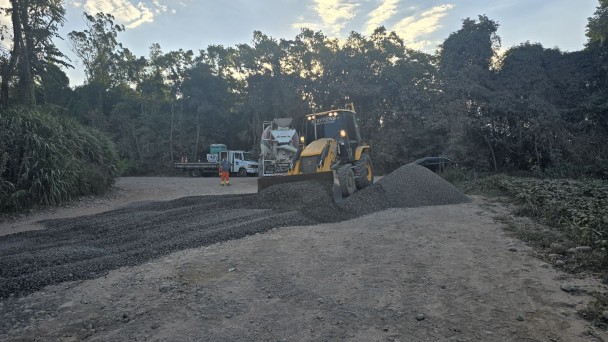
[45, 160]
[127, 167]
[578, 207]
[471, 181]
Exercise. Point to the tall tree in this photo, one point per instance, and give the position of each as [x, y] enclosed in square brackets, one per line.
[99, 50]
[597, 28]
[465, 66]
[35, 24]
[597, 46]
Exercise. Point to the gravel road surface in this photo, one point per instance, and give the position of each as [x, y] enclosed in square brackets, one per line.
[243, 266]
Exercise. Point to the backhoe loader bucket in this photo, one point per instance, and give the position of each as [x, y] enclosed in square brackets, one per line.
[329, 178]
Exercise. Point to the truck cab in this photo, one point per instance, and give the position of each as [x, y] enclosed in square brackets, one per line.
[241, 163]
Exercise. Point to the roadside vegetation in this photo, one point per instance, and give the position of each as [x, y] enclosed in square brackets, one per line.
[570, 220]
[47, 160]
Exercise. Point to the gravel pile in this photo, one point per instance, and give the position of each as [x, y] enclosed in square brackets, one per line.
[366, 201]
[409, 186]
[87, 247]
[413, 186]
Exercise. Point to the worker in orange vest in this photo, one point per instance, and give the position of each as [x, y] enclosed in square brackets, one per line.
[225, 172]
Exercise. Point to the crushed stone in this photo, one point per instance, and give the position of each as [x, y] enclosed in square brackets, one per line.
[89, 246]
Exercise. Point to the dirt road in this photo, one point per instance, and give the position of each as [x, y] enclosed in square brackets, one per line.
[443, 273]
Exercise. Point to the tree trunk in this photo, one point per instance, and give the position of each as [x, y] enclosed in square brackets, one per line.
[493, 155]
[28, 56]
[7, 74]
[137, 145]
[171, 132]
[7, 71]
[22, 34]
[181, 126]
[198, 133]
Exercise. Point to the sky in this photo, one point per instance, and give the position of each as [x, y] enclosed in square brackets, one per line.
[423, 24]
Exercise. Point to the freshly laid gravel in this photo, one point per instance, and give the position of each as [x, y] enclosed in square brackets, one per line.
[88, 246]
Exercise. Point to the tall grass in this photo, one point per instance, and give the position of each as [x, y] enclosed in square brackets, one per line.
[46, 160]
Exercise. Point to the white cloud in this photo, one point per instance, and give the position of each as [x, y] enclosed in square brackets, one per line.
[6, 44]
[333, 15]
[413, 29]
[380, 15]
[125, 11]
[160, 8]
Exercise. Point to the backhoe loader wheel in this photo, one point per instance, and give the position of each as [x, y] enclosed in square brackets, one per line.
[364, 172]
[346, 177]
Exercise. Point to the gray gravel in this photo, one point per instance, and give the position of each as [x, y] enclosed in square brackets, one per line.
[409, 186]
[413, 186]
[89, 246]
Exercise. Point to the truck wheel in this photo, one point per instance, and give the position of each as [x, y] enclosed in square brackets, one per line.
[242, 173]
[196, 173]
[346, 177]
[364, 172]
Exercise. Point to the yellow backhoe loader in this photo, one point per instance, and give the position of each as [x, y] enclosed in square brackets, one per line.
[330, 150]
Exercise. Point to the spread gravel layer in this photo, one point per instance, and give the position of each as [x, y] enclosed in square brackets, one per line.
[88, 246]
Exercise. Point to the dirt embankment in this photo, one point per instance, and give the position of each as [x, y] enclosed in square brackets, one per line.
[429, 273]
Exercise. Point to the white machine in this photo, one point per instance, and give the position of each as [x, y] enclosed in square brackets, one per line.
[279, 146]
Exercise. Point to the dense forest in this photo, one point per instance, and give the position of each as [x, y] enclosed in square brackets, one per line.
[530, 108]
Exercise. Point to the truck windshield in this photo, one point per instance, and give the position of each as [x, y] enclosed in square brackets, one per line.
[248, 157]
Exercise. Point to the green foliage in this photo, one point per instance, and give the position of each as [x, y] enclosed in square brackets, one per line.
[127, 167]
[578, 207]
[534, 109]
[35, 24]
[98, 47]
[597, 28]
[45, 160]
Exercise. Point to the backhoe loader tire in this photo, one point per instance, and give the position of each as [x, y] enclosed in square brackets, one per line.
[364, 172]
[346, 177]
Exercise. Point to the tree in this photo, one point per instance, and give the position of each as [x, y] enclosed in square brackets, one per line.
[465, 71]
[54, 87]
[206, 96]
[173, 66]
[527, 106]
[99, 50]
[35, 24]
[597, 28]
[597, 47]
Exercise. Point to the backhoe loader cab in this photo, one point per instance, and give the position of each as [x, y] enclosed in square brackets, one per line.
[340, 125]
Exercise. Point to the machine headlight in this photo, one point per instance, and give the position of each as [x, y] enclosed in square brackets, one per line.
[309, 117]
[302, 140]
[343, 133]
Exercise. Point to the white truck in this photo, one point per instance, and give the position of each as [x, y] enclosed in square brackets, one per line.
[241, 163]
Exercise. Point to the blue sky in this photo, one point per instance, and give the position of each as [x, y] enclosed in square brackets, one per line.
[191, 24]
